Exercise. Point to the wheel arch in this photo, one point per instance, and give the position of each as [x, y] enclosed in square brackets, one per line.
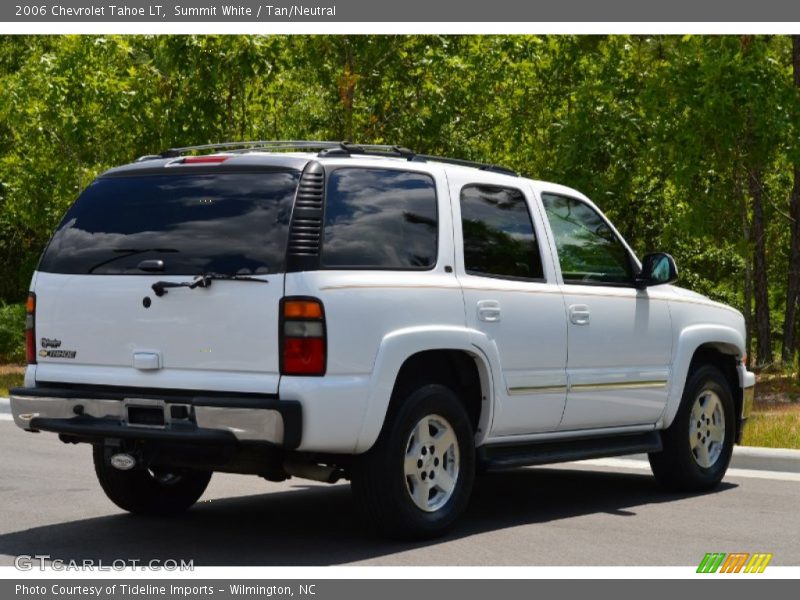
[719, 346]
[445, 355]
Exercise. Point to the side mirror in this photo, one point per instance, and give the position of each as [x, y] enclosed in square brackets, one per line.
[657, 268]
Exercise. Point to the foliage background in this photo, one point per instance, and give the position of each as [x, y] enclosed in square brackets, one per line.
[688, 143]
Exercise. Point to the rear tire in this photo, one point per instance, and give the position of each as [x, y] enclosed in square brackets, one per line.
[417, 479]
[158, 492]
[699, 443]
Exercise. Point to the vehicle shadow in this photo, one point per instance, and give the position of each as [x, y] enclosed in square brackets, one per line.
[319, 525]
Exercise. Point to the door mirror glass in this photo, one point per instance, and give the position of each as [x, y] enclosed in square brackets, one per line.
[657, 269]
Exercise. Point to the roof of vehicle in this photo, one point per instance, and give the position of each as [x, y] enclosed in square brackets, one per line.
[296, 154]
[292, 154]
[232, 162]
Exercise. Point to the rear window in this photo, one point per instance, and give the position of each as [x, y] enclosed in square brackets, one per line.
[223, 223]
[499, 240]
[380, 219]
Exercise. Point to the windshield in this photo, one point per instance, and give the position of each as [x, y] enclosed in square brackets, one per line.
[177, 224]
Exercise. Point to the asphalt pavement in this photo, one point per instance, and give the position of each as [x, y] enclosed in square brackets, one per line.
[602, 512]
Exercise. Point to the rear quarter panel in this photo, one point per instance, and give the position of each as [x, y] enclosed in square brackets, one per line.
[364, 311]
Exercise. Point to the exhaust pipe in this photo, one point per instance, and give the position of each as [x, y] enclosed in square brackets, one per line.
[315, 472]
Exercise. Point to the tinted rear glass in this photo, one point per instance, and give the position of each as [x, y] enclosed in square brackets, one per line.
[499, 240]
[380, 218]
[223, 223]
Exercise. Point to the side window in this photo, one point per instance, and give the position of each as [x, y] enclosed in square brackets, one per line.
[499, 240]
[588, 250]
[380, 218]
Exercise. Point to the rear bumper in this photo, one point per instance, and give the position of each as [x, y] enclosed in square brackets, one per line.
[104, 413]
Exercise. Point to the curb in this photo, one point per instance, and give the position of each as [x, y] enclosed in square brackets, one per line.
[744, 457]
[770, 459]
[783, 460]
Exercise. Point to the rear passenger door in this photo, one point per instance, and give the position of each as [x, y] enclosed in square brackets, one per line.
[620, 337]
[510, 295]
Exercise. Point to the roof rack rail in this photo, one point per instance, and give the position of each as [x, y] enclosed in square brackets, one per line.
[330, 148]
[349, 148]
[252, 145]
[346, 148]
[466, 163]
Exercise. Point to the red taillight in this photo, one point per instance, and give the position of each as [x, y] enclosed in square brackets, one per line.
[303, 356]
[204, 160]
[30, 329]
[303, 343]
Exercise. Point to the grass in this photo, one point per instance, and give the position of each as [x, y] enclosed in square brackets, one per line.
[774, 422]
[773, 428]
[10, 376]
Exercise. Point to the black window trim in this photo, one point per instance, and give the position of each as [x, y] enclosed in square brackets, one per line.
[536, 235]
[329, 173]
[631, 257]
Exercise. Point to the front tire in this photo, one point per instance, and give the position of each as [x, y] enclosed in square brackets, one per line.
[699, 443]
[158, 492]
[417, 479]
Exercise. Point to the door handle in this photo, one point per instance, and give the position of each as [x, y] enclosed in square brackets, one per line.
[579, 314]
[489, 311]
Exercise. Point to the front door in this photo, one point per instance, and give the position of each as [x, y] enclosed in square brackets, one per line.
[619, 337]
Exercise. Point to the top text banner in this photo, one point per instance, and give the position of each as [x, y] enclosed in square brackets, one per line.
[321, 11]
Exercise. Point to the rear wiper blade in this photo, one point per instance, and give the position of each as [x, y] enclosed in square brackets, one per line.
[128, 252]
[211, 276]
[201, 281]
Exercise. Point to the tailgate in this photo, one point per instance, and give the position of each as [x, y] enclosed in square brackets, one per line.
[98, 319]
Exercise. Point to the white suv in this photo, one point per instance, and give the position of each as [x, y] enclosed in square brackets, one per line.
[327, 310]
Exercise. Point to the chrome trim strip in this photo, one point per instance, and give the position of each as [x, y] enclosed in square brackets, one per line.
[618, 385]
[587, 387]
[537, 389]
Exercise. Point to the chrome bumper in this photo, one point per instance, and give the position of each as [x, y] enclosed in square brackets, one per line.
[748, 395]
[255, 419]
[747, 381]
